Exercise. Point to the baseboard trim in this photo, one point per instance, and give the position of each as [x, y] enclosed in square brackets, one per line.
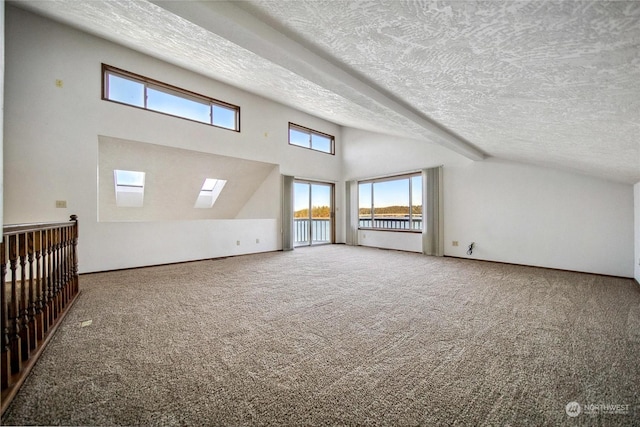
[372, 247]
[537, 266]
[177, 262]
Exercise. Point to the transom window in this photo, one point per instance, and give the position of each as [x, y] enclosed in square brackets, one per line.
[393, 203]
[138, 91]
[312, 139]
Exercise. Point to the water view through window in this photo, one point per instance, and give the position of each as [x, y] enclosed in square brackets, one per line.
[391, 203]
[313, 223]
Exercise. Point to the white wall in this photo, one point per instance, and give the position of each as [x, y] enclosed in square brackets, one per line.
[402, 241]
[636, 260]
[1, 109]
[51, 145]
[513, 212]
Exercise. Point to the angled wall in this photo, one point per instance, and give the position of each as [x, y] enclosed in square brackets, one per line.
[173, 180]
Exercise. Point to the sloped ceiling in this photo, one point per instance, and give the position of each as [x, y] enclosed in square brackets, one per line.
[545, 82]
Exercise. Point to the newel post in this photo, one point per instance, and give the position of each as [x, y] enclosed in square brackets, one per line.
[74, 251]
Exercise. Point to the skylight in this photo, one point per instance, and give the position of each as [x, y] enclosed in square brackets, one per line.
[129, 186]
[209, 192]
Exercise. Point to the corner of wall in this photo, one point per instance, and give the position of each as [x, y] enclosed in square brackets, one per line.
[262, 204]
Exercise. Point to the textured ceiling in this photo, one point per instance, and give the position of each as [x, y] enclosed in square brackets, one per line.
[150, 29]
[550, 83]
[554, 83]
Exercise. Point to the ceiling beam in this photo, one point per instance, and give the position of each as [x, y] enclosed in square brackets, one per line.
[240, 27]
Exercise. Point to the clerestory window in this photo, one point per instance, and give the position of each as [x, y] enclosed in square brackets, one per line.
[137, 91]
[312, 139]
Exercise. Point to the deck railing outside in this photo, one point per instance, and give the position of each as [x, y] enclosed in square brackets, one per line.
[392, 223]
[320, 228]
[39, 266]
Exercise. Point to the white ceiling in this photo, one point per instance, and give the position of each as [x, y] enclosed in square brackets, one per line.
[554, 83]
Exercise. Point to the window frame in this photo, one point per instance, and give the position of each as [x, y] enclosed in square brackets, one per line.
[408, 176]
[170, 90]
[311, 132]
[213, 193]
[121, 189]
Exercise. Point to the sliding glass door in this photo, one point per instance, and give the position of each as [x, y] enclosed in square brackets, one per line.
[313, 213]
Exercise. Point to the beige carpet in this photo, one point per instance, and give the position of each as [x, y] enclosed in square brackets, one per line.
[336, 335]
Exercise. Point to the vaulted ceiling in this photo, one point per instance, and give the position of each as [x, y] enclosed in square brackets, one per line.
[553, 83]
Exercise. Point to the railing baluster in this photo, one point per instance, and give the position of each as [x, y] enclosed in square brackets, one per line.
[56, 269]
[33, 327]
[391, 223]
[24, 302]
[40, 291]
[5, 369]
[44, 281]
[16, 345]
[320, 229]
[60, 269]
[67, 264]
[50, 304]
[61, 265]
[63, 268]
[60, 286]
[54, 273]
[68, 283]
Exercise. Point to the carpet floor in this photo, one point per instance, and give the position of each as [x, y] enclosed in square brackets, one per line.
[337, 335]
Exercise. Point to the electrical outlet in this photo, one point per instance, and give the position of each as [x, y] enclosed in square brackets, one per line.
[61, 204]
[454, 243]
[237, 242]
[257, 241]
[59, 83]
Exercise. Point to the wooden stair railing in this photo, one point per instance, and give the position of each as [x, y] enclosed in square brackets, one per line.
[39, 267]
